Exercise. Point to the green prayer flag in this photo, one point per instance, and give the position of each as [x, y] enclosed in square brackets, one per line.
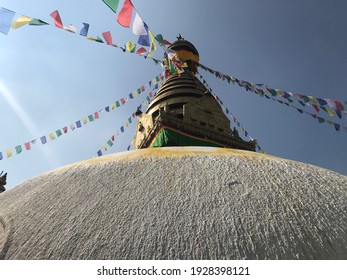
[117, 104]
[110, 143]
[37, 22]
[160, 39]
[129, 120]
[112, 4]
[18, 149]
[321, 120]
[99, 40]
[58, 132]
[90, 117]
[139, 91]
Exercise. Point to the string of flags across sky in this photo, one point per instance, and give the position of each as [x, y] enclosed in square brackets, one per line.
[10, 19]
[155, 82]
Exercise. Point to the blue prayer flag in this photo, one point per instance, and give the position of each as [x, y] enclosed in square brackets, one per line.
[144, 39]
[78, 124]
[1, 157]
[6, 17]
[84, 30]
[43, 139]
[99, 153]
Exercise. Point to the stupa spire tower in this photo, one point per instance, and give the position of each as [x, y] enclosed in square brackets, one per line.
[184, 112]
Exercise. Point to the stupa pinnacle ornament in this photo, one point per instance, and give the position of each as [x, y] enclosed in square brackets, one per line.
[184, 112]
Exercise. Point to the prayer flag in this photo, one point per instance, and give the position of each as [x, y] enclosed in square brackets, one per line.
[84, 120]
[51, 135]
[43, 140]
[78, 124]
[108, 37]
[320, 120]
[107, 109]
[124, 16]
[339, 106]
[9, 153]
[65, 129]
[144, 39]
[27, 146]
[315, 107]
[70, 28]
[57, 20]
[122, 101]
[153, 46]
[122, 128]
[84, 30]
[141, 50]
[131, 96]
[18, 149]
[138, 26]
[112, 4]
[72, 126]
[37, 22]
[110, 143]
[96, 115]
[130, 47]
[6, 17]
[58, 132]
[113, 106]
[331, 112]
[128, 148]
[21, 21]
[112, 138]
[99, 153]
[337, 126]
[104, 147]
[1, 157]
[90, 117]
[117, 104]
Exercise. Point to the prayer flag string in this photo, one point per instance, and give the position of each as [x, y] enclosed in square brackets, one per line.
[110, 142]
[228, 112]
[55, 134]
[334, 108]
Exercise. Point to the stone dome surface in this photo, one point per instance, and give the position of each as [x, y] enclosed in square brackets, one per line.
[177, 203]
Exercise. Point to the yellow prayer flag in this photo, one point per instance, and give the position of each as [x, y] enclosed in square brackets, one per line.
[84, 120]
[153, 45]
[126, 124]
[130, 46]
[330, 122]
[150, 55]
[21, 21]
[331, 112]
[313, 100]
[9, 153]
[51, 136]
[104, 147]
[113, 106]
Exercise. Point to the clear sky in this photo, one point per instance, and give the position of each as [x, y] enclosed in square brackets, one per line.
[50, 78]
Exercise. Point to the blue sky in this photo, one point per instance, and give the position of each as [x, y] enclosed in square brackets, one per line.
[51, 78]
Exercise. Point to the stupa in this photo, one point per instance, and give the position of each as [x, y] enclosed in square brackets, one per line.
[192, 190]
[185, 113]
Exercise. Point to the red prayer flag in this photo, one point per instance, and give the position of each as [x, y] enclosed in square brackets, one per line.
[96, 115]
[108, 37]
[124, 16]
[57, 20]
[315, 107]
[65, 129]
[112, 138]
[143, 88]
[141, 50]
[339, 106]
[122, 101]
[27, 146]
